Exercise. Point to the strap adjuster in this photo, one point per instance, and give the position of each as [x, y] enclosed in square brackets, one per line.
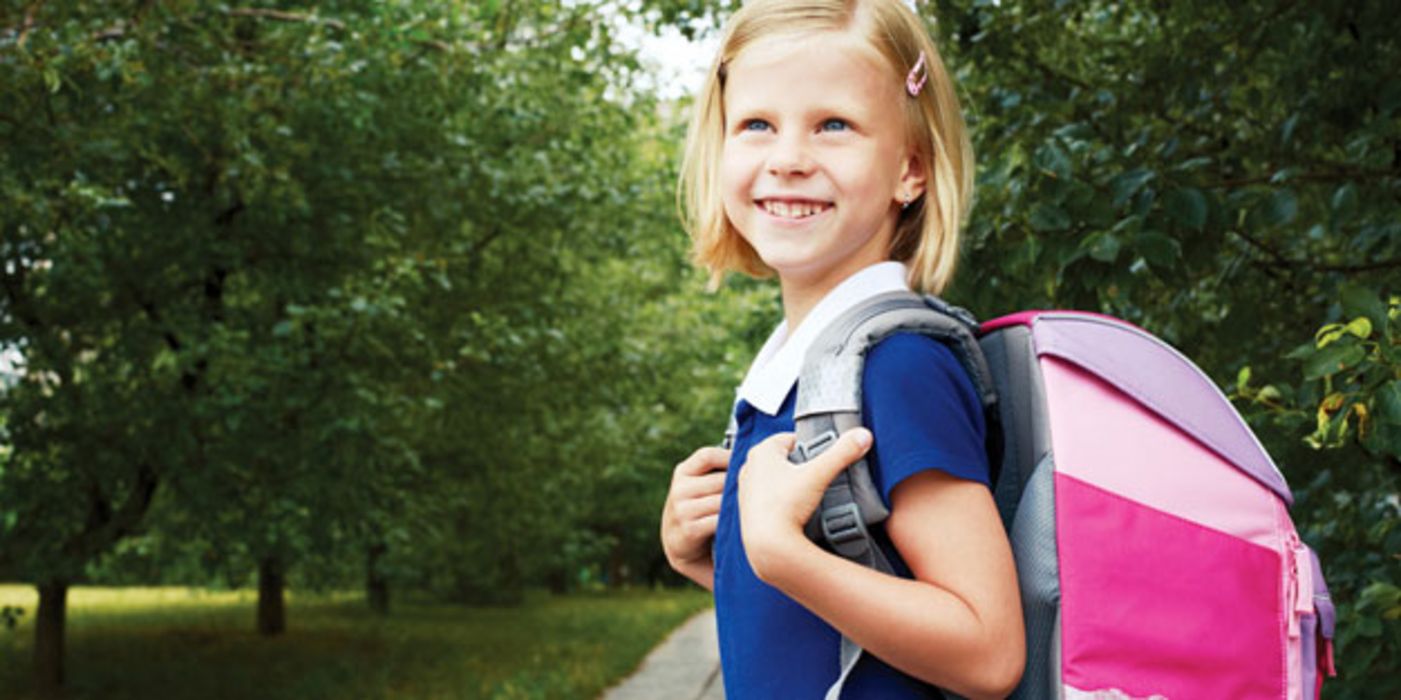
[806, 451]
[842, 526]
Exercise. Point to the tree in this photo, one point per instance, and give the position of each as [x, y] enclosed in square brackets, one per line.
[300, 281]
[227, 235]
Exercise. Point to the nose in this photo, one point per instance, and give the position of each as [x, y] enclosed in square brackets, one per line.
[790, 156]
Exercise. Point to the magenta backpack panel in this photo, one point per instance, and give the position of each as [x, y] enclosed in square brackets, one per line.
[1180, 572]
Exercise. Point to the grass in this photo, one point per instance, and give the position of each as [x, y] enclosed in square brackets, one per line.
[172, 643]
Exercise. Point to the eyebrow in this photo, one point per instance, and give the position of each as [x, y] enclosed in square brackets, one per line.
[815, 112]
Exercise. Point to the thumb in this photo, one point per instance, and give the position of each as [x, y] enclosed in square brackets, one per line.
[850, 447]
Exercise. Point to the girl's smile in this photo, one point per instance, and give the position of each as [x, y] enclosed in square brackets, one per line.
[793, 209]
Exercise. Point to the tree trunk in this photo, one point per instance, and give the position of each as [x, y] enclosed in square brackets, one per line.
[557, 581]
[376, 584]
[48, 639]
[272, 608]
[617, 567]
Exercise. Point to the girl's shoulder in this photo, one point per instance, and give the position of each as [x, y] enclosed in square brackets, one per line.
[920, 359]
[924, 411]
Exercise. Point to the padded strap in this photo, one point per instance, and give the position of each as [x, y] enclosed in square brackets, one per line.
[829, 404]
[851, 493]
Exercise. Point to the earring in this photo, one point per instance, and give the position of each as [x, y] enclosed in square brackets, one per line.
[908, 198]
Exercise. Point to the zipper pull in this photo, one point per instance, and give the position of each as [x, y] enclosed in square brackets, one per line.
[1300, 585]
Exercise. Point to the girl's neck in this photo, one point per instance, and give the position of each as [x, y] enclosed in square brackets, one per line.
[797, 303]
[804, 286]
[801, 295]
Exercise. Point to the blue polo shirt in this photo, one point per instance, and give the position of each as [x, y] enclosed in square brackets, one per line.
[924, 413]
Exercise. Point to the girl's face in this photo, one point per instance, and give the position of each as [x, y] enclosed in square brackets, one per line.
[815, 162]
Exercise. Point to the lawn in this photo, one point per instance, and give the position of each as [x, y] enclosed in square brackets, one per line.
[189, 643]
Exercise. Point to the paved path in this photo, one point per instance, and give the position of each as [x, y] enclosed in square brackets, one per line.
[686, 666]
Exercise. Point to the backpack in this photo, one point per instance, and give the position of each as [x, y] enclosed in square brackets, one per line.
[1154, 550]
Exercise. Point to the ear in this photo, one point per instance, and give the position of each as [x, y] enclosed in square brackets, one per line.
[913, 178]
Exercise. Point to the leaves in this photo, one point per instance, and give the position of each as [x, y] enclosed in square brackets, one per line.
[1125, 185]
[1186, 206]
[1048, 217]
[1275, 209]
[253, 248]
[1388, 399]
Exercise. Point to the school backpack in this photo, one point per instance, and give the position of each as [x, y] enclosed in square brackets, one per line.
[1154, 549]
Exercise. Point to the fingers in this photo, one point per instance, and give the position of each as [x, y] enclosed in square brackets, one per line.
[702, 528]
[851, 446]
[706, 459]
[779, 444]
[689, 523]
[692, 509]
[684, 487]
[697, 508]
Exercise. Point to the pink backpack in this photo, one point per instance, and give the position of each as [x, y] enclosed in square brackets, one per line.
[1151, 530]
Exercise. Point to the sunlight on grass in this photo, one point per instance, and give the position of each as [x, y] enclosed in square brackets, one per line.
[189, 643]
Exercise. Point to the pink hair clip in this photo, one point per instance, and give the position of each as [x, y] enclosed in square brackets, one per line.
[912, 85]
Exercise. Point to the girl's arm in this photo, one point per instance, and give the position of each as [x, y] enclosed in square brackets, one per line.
[957, 625]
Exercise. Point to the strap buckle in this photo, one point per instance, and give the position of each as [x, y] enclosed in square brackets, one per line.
[806, 451]
[843, 527]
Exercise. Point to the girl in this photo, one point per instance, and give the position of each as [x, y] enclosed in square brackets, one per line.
[828, 148]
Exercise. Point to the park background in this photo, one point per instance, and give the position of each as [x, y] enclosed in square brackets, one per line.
[310, 306]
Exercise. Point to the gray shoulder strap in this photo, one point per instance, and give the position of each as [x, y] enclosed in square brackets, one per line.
[829, 396]
[831, 378]
[829, 404]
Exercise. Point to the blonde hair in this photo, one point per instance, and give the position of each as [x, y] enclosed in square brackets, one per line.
[927, 233]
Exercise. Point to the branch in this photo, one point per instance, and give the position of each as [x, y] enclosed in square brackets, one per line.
[1344, 176]
[28, 22]
[1281, 261]
[115, 31]
[474, 255]
[118, 30]
[436, 44]
[104, 527]
[283, 16]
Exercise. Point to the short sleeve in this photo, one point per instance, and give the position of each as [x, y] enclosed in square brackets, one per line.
[922, 408]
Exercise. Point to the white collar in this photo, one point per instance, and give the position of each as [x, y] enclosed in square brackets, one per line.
[778, 363]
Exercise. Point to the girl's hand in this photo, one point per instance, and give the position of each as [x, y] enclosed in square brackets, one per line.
[692, 511]
[777, 497]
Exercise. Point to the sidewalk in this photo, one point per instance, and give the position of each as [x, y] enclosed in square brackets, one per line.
[686, 666]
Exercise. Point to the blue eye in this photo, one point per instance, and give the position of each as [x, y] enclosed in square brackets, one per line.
[835, 125]
[754, 125]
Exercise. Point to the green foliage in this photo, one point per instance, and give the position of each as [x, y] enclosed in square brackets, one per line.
[1137, 158]
[307, 281]
[1344, 408]
[324, 275]
[1359, 367]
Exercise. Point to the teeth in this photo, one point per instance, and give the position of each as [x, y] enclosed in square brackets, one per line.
[793, 210]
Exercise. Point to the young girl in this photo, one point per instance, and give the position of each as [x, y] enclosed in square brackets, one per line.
[828, 148]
